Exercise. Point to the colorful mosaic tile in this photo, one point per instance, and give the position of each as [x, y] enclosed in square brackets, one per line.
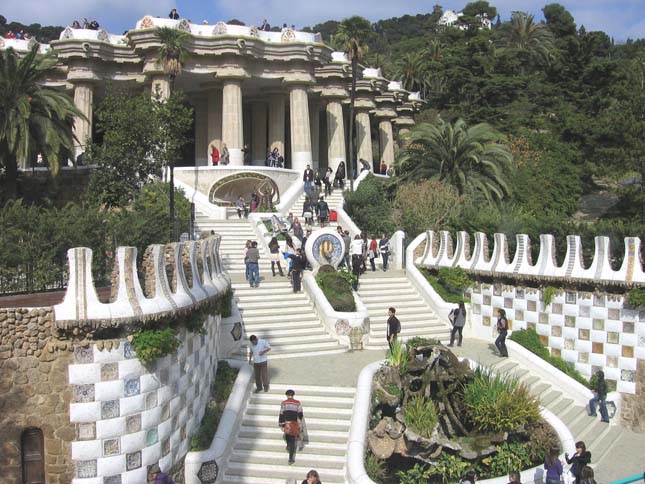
[583, 334]
[236, 332]
[110, 409]
[133, 461]
[627, 375]
[641, 341]
[628, 351]
[165, 411]
[612, 337]
[86, 431]
[583, 357]
[556, 331]
[83, 393]
[599, 300]
[569, 343]
[477, 288]
[571, 298]
[628, 327]
[111, 447]
[152, 437]
[544, 339]
[531, 305]
[151, 400]
[133, 423]
[556, 308]
[131, 387]
[612, 361]
[128, 351]
[599, 324]
[543, 318]
[584, 311]
[597, 348]
[508, 302]
[519, 314]
[112, 479]
[83, 354]
[497, 290]
[165, 446]
[486, 320]
[613, 313]
[556, 352]
[109, 371]
[570, 321]
[520, 294]
[532, 326]
[85, 469]
[486, 299]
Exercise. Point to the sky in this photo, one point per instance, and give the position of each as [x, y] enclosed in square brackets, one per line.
[620, 19]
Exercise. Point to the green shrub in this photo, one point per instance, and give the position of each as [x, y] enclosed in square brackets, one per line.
[224, 381]
[397, 356]
[417, 341]
[154, 343]
[450, 467]
[455, 278]
[337, 290]
[448, 294]
[375, 468]
[542, 438]
[496, 403]
[636, 297]
[419, 474]
[421, 416]
[369, 208]
[225, 304]
[547, 294]
[510, 456]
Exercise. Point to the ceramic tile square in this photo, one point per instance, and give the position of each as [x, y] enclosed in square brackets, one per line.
[613, 313]
[83, 354]
[85, 469]
[628, 327]
[497, 290]
[165, 447]
[543, 318]
[556, 331]
[165, 411]
[477, 309]
[556, 308]
[531, 326]
[520, 294]
[597, 348]
[109, 371]
[131, 387]
[584, 311]
[133, 461]
[86, 431]
[583, 334]
[83, 393]
[151, 400]
[612, 361]
[163, 376]
[182, 432]
[612, 337]
[128, 350]
[112, 479]
[152, 436]
[508, 302]
[111, 447]
[583, 357]
[599, 300]
[544, 339]
[110, 409]
[477, 289]
[556, 352]
[598, 324]
[531, 305]
[519, 314]
[628, 351]
[569, 343]
[627, 375]
[133, 423]
[571, 297]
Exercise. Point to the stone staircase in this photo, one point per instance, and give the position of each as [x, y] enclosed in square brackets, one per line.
[380, 291]
[287, 320]
[334, 201]
[259, 455]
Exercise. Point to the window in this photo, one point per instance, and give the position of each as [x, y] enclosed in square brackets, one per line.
[33, 457]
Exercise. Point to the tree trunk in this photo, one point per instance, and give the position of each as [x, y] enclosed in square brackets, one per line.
[352, 98]
[10, 179]
[173, 237]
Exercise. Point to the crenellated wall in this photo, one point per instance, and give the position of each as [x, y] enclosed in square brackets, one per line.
[442, 251]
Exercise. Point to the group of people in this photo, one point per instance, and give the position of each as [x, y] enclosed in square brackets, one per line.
[20, 35]
[220, 158]
[93, 25]
[360, 250]
[314, 181]
[386, 170]
[241, 207]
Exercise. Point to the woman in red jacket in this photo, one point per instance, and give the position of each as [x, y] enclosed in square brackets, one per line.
[215, 156]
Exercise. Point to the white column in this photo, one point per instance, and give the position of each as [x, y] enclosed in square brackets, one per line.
[202, 151]
[83, 100]
[259, 129]
[161, 85]
[387, 141]
[364, 137]
[276, 122]
[232, 122]
[314, 123]
[300, 131]
[214, 121]
[336, 135]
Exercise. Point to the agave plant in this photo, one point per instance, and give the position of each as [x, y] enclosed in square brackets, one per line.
[397, 356]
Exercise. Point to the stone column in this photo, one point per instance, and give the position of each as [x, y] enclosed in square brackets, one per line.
[300, 131]
[232, 122]
[336, 136]
[83, 100]
[160, 84]
[214, 121]
[276, 122]
[364, 137]
[259, 129]
[314, 123]
[387, 140]
[202, 151]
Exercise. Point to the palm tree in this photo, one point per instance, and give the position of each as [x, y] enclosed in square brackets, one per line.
[350, 37]
[525, 34]
[34, 118]
[411, 71]
[471, 159]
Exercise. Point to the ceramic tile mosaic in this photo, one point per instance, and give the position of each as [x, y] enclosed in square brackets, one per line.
[599, 300]
[109, 371]
[598, 324]
[131, 387]
[597, 348]
[519, 314]
[152, 437]
[165, 411]
[628, 351]
[556, 331]
[133, 461]
[85, 468]
[497, 290]
[556, 352]
[110, 409]
[112, 479]
[556, 308]
[520, 294]
[571, 298]
[477, 309]
[508, 302]
[165, 446]
[543, 318]
[612, 361]
[569, 343]
[83, 393]
[544, 339]
[531, 305]
[86, 431]
[627, 375]
[583, 357]
[133, 423]
[583, 334]
[532, 326]
[128, 350]
[111, 447]
[628, 327]
[83, 354]
[641, 341]
[236, 332]
[612, 337]
[151, 400]
[182, 432]
[570, 321]
[613, 313]
[486, 300]
[584, 311]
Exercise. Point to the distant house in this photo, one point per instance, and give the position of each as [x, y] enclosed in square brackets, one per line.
[450, 18]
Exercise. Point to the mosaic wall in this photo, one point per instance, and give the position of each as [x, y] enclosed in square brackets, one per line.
[591, 330]
[128, 416]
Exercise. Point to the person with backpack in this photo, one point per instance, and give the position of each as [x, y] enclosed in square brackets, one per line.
[155, 476]
[323, 212]
[553, 467]
[600, 397]
[384, 248]
[393, 327]
[290, 421]
[458, 319]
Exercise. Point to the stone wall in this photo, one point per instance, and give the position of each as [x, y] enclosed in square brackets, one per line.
[633, 409]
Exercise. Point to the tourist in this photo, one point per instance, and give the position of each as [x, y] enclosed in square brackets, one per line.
[323, 212]
[308, 211]
[390, 171]
[297, 230]
[225, 156]
[94, 25]
[214, 156]
[383, 168]
[274, 255]
[384, 248]
[327, 181]
[578, 461]
[298, 267]
[308, 178]
[600, 396]
[356, 253]
[458, 319]
[273, 157]
[246, 155]
[348, 240]
[240, 206]
[86, 24]
[553, 467]
[10, 35]
[76, 24]
[247, 246]
[312, 478]
[20, 35]
[502, 330]
[258, 354]
[317, 182]
[514, 478]
[372, 252]
[155, 476]
[365, 166]
[393, 327]
[253, 258]
[469, 477]
[587, 476]
[290, 219]
[365, 246]
[290, 420]
[339, 179]
[255, 202]
[265, 26]
[174, 15]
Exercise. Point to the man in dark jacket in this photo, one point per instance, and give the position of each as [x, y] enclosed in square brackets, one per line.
[393, 327]
[600, 396]
[323, 212]
[290, 416]
[308, 178]
[299, 265]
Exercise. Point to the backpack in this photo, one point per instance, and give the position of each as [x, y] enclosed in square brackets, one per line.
[452, 316]
[397, 326]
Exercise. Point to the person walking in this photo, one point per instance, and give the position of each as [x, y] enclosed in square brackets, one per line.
[290, 420]
[393, 327]
[356, 253]
[214, 156]
[458, 319]
[274, 255]
[317, 182]
[323, 212]
[578, 461]
[502, 330]
[348, 241]
[553, 467]
[298, 267]
[327, 181]
[155, 476]
[340, 175]
[312, 478]
[365, 246]
[600, 397]
[308, 212]
[258, 355]
[240, 206]
[308, 178]
[247, 246]
[587, 476]
[225, 155]
[297, 230]
[384, 248]
[253, 258]
[373, 252]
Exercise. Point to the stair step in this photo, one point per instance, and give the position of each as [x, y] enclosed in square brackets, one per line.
[312, 411]
[320, 448]
[303, 458]
[277, 471]
[274, 433]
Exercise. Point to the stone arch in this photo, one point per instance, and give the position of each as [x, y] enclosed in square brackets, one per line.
[226, 190]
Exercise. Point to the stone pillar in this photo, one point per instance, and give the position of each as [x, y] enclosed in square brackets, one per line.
[336, 136]
[364, 137]
[259, 130]
[276, 122]
[300, 131]
[83, 100]
[160, 84]
[387, 140]
[202, 149]
[232, 122]
[314, 123]
[214, 121]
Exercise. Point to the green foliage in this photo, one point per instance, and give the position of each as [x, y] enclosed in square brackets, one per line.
[151, 344]
[509, 457]
[530, 340]
[455, 277]
[421, 416]
[448, 294]
[547, 295]
[42, 33]
[375, 468]
[419, 474]
[397, 356]
[369, 208]
[542, 438]
[417, 341]
[224, 305]
[636, 297]
[496, 403]
[337, 288]
[224, 381]
[450, 467]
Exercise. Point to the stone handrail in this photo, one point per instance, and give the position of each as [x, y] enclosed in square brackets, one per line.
[22, 45]
[81, 305]
[441, 252]
[217, 454]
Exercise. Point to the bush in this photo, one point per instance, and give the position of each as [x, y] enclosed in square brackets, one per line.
[509, 457]
[375, 468]
[450, 468]
[224, 381]
[542, 438]
[421, 416]
[455, 278]
[636, 297]
[495, 403]
[448, 294]
[397, 356]
[547, 295]
[368, 207]
[154, 343]
[338, 290]
[419, 474]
